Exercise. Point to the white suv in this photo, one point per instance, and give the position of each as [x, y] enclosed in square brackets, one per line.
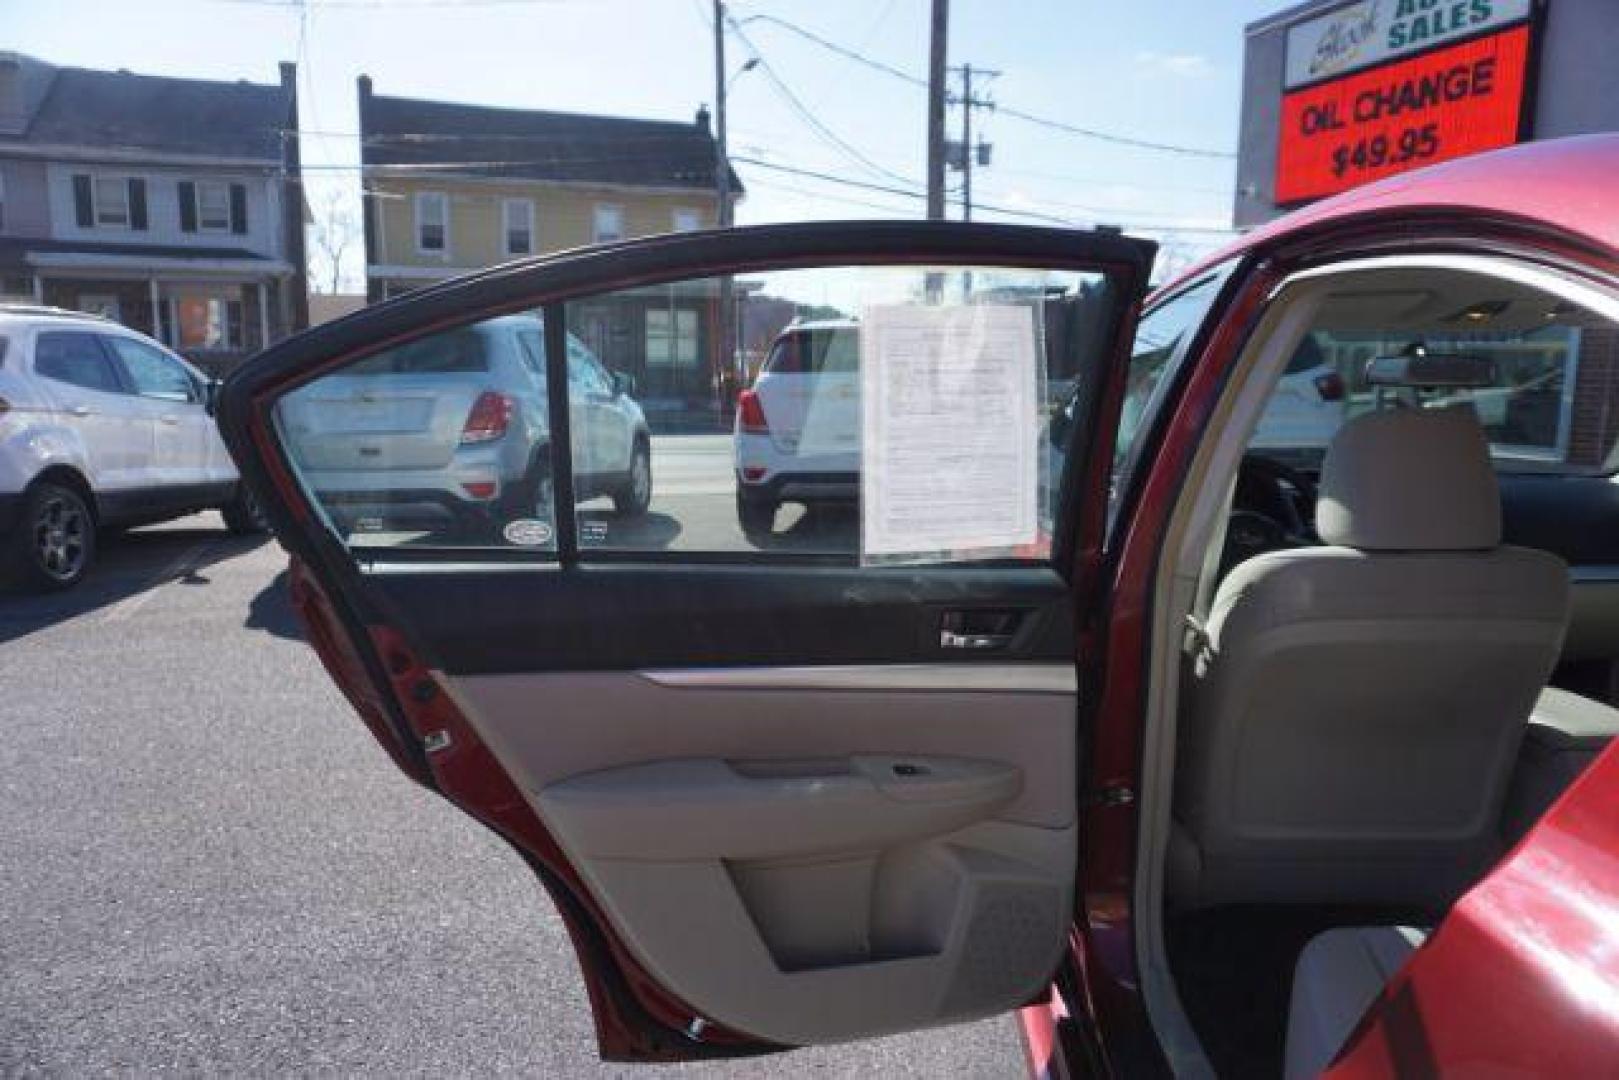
[99, 426]
[798, 427]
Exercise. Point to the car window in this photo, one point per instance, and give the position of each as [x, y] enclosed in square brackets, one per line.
[973, 368]
[1161, 341]
[1547, 408]
[151, 373]
[531, 347]
[814, 352]
[76, 358]
[456, 352]
[786, 466]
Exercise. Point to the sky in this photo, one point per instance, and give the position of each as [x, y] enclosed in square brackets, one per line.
[1160, 71]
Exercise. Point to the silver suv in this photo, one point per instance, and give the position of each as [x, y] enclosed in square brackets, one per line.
[451, 434]
[99, 426]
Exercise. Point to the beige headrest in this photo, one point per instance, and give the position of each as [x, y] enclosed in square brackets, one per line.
[1410, 480]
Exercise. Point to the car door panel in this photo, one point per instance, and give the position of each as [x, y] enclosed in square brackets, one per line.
[778, 802]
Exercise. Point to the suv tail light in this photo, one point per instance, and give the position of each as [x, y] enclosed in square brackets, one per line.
[750, 413]
[491, 415]
[1330, 386]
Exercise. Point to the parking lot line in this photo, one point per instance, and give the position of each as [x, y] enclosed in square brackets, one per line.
[181, 564]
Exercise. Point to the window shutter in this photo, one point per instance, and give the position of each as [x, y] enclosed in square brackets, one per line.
[238, 208]
[188, 206]
[83, 208]
[137, 203]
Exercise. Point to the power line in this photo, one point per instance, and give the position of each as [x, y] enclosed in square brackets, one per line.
[1030, 118]
[809, 118]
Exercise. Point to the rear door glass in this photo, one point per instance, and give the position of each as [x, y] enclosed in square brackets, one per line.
[77, 359]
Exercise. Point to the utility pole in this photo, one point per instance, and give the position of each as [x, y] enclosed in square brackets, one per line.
[725, 373]
[936, 96]
[963, 154]
[722, 164]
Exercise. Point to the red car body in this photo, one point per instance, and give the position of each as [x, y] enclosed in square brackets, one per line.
[1523, 975]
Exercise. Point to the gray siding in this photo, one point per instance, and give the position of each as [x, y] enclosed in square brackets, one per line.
[27, 201]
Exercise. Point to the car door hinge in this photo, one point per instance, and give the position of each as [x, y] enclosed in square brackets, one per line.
[1113, 795]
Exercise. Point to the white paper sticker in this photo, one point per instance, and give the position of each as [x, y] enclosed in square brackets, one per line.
[949, 430]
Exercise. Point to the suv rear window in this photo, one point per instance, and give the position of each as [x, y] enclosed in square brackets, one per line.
[441, 354]
[814, 352]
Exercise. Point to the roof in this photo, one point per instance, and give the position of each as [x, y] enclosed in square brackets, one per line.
[14, 247]
[1566, 184]
[110, 110]
[480, 140]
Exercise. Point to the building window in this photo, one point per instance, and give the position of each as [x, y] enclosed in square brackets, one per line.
[609, 223]
[671, 336]
[213, 206]
[687, 220]
[519, 226]
[206, 319]
[112, 202]
[432, 221]
[104, 304]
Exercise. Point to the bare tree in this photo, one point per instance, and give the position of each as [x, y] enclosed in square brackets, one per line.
[335, 231]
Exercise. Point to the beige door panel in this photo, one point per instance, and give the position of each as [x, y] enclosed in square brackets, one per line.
[848, 856]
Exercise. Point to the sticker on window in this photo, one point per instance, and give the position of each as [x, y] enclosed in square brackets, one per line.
[951, 432]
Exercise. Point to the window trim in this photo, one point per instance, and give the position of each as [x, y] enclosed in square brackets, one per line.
[420, 199]
[197, 186]
[96, 179]
[527, 206]
[678, 212]
[617, 209]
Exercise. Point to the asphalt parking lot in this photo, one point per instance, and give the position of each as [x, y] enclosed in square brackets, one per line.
[211, 868]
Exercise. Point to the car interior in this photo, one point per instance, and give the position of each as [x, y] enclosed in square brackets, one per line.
[1346, 761]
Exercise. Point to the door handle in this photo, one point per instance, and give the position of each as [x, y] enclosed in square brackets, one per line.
[80, 410]
[170, 420]
[949, 639]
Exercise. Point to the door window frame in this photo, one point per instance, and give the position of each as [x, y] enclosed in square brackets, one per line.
[551, 285]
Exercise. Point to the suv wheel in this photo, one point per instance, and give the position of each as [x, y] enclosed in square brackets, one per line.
[55, 542]
[635, 494]
[243, 515]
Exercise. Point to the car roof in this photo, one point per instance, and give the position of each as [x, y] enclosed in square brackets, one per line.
[1569, 184]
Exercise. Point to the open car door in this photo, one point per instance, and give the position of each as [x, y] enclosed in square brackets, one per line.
[803, 781]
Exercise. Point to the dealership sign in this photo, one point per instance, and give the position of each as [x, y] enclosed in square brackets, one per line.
[1411, 82]
[1372, 31]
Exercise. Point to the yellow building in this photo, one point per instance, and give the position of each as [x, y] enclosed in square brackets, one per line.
[453, 188]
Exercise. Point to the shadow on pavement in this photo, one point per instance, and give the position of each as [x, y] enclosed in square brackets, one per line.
[831, 529]
[127, 564]
[603, 528]
[271, 610]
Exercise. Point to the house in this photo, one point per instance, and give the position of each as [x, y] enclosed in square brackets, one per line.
[171, 205]
[452, 188]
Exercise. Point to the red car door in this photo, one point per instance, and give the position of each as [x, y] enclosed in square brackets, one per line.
[809, 787]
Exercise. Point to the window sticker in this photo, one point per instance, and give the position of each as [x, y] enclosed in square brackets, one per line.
[951, 431]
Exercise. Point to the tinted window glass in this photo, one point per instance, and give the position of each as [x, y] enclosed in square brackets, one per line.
[151, 373]
[455, 351]
[811, 352]
[75, 358]
[957, 372]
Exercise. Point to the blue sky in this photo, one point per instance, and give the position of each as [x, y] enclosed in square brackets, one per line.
[1165, 71]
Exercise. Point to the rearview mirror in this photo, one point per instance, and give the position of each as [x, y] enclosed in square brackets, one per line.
[210, 395]
[623, 383]
[1419, 368]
